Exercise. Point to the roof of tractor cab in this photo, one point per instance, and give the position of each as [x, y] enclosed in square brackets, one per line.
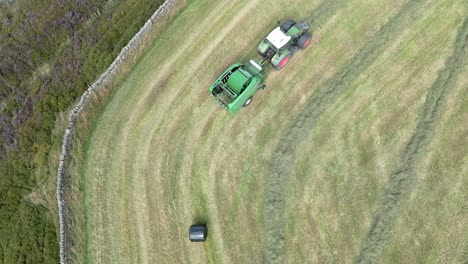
[278, 38]
[237, 80]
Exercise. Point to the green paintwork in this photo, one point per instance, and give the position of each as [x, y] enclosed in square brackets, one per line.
[263, 46]
[241, 81]
[237, 80]
[237, 84]
[275, 60]
[293, 31]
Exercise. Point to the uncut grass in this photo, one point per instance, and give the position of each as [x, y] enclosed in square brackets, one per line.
[348, 160]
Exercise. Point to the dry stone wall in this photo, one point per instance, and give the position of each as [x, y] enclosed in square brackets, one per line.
[108, 75]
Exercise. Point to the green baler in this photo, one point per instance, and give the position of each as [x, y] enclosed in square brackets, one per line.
[237, 85]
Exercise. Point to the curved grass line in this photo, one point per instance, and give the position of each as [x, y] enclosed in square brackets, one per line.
[133, 119]
[284, 154]
[400, 183]
[62, 205]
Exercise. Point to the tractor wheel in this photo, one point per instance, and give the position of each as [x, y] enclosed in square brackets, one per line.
[248, 102]
[283, 63]
[287, 25]
[304, 40]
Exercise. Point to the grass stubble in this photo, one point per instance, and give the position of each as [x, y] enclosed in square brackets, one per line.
[284, 155]
[402, 179]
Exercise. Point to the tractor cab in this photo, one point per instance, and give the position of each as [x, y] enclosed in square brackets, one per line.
[278, 39]
[283, 41]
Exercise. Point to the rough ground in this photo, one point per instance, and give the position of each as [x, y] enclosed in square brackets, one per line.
[305, 173]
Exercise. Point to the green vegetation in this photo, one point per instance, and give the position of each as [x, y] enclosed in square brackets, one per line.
[401, 181]
[51, 51]
[305, 170]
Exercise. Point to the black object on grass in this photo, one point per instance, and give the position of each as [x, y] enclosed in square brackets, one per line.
[198, 233]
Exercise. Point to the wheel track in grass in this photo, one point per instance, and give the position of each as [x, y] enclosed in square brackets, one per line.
[284, 155]
[400, 182]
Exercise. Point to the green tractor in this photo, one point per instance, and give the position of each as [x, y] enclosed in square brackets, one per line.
[279, 46]
[237, 85]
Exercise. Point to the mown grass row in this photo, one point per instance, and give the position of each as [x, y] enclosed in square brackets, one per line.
[345, 162]
[282, 161]
[401, 181]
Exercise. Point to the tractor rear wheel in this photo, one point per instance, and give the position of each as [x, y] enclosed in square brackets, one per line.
[283, 63]
[287, 25]
[304, 40]
[248, 102]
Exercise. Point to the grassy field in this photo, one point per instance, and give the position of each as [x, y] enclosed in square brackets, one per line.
[354, 153]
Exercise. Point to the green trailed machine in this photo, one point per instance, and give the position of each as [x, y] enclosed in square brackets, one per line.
[237, 85]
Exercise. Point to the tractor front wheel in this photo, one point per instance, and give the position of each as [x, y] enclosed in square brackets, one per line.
[248, 102]
[283, 63]
[304, 41]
